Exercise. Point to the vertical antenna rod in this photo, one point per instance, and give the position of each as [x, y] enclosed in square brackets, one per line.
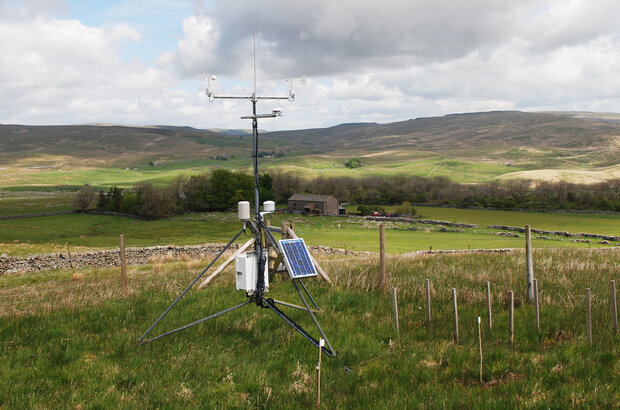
[254, 117]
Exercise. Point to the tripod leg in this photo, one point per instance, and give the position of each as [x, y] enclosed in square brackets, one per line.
[295, 326]
[308, 293]
[303, 299]
[189, 287]
[220, 313]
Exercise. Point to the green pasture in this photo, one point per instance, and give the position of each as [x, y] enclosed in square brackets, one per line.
[551, 221]
[17, 203]
[574, 222]
[310, 165]
[160, 175]
[54, 233]
[69, 341]
[457, 170]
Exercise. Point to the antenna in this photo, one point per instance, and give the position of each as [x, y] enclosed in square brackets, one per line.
[252, 267]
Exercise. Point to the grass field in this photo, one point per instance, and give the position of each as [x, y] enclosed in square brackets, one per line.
[311, 166]
[53, 234]
[18, 203]
[72, 342]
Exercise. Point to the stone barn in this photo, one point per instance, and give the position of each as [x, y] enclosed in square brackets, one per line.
[313, 204]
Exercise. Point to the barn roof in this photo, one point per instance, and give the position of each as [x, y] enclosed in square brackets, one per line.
[312, 198]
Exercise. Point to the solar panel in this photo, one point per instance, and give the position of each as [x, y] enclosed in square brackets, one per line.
[297, 259]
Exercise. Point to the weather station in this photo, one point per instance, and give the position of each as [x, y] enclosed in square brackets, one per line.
[251, 267]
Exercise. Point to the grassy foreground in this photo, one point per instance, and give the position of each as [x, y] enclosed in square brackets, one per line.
[69, 340]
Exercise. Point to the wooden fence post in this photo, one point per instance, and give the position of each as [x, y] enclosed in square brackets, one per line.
[511, 316]
[285, 228]
[427, 285]
[69, 257]
[614, 308]
[530, 264]
[123, 265]
[588, 316]
[395, 304]
[383, 282]
[490, 317]
[456, 316]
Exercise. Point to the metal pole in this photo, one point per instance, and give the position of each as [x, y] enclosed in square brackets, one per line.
[197, 322]
[395, 303]
[536, 305]
[382, 275]
[490, 318]
[316, 323]
[428, 301]
[588, 316]
[123, 265]
[530, 264]
[614, 308]
[480, 345]
[511, 316]
[318, 375]
[456, 316]
[189, 286]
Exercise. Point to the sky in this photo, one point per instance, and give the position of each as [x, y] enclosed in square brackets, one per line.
[144, 62]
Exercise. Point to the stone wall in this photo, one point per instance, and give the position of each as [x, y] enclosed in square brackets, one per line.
[558, 233]
[421, 221]
[135, 256]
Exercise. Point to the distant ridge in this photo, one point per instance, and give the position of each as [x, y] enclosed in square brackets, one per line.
[552, 138]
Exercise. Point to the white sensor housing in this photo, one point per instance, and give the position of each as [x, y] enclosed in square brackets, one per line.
[269, 206]
[243, 210]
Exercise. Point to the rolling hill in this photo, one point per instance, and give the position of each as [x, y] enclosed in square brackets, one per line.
[509, 142]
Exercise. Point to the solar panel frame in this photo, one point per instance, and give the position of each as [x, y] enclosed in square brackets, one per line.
[297, 259]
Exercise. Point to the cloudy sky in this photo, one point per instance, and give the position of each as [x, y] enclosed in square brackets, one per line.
[144, 61]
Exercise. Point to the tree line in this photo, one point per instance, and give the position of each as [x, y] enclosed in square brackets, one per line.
[394, 190]
[220, 190]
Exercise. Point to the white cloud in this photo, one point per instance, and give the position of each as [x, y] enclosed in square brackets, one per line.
[365, 61]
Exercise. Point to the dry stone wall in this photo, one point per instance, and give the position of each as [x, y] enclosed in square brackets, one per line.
[558, 233]
[135, 256]
[422, 221]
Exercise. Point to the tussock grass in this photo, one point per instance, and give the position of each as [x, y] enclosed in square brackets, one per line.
[70, 341]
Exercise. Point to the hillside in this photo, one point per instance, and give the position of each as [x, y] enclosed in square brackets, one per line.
[469, 147]
[111, 144]
[483, 135]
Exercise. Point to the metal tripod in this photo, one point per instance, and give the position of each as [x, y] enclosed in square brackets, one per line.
[258, 227]
[257, 298]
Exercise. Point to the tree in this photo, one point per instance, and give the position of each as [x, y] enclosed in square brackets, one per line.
[285, 184]
[115, 197]
[84, 198]
[102, 201]
[130, 204]
[353, 163]
[405, 209]
[154, 203]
